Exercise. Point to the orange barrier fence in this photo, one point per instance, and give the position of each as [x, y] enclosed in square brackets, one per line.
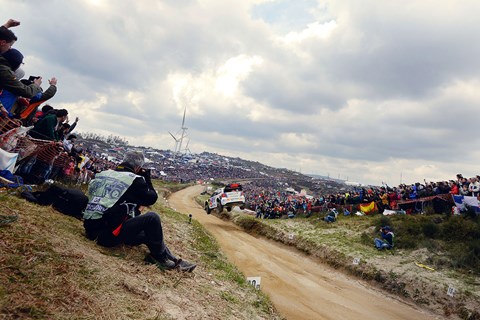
[446, 197]
[13, 139]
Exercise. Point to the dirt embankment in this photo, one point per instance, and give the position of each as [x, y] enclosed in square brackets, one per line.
[50, 270]
[301, 287]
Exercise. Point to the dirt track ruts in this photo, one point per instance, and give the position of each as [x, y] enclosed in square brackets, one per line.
[300, 287]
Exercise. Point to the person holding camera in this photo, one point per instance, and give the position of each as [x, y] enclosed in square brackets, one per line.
[8, 79]
[113, 216]
[387, 239]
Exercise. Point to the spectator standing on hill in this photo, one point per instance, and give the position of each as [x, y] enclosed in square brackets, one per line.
[309, 209]
[65, 129]
[113, 216]
[69, 142]
[454, 187]
[46, 128]
[384, 200]
[464, 190]
[474, 187]
[15, 103]
[8, 99]
[8, 80]
[459, 179]
[27, 112]
[42, 113]
[7, 37]
[387, 239]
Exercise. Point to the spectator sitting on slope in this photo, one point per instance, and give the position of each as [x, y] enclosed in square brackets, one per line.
[387, 239]
[113, 216]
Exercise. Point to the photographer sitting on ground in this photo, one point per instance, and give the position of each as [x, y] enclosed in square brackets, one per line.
[112, 216]
[387, 239]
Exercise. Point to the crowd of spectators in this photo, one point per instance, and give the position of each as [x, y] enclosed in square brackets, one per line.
[269, 191]
[49, 151]
[203, 167]
[59, 156]
[271, 202]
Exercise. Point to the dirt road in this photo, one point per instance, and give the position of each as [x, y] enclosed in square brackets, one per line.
[299, 286]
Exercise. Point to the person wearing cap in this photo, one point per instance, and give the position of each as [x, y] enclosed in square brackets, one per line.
[387, 239]
[14, 59]
[113, 215]
[8, 80]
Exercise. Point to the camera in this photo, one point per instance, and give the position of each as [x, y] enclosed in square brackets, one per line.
[145, 172]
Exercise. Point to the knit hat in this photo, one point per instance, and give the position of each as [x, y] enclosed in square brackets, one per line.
[14, 58]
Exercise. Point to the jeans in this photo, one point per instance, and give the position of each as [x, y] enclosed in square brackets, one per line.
[380, 244]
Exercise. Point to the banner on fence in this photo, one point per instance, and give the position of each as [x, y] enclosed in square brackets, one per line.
[462, 201]
[367, 208]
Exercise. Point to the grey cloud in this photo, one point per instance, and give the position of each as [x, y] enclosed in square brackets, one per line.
[395, 60]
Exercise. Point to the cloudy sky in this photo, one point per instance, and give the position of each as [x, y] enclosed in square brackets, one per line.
[368, 91]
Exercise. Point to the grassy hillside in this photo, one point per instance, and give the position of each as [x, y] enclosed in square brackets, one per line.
[49, 270]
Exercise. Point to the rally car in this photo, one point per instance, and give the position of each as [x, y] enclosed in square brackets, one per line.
[227, 197]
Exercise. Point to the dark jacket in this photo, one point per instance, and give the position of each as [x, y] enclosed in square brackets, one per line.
[388, 236]
[9, 82]
[141, 193]
[45, 128]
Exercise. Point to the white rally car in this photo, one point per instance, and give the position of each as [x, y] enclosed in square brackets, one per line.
[227, 197]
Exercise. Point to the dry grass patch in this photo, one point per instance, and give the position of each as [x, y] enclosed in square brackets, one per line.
[49, 270]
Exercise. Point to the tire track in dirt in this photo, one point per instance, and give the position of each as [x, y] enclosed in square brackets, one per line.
[300, 287]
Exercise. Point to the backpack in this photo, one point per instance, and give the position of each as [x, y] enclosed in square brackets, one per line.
[71, 202]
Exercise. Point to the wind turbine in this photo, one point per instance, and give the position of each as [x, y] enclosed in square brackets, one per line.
[183, 129]
[179, 139]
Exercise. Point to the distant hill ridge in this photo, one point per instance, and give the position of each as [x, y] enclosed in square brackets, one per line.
[166, 163]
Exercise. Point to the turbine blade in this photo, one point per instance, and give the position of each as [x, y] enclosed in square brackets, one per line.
[183, 121]
[173, 136]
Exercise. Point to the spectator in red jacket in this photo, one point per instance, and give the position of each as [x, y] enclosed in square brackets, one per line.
[453, 187]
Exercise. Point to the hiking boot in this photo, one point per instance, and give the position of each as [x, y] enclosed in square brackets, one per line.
[186, 266]
[166, 264]
[163, 264]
